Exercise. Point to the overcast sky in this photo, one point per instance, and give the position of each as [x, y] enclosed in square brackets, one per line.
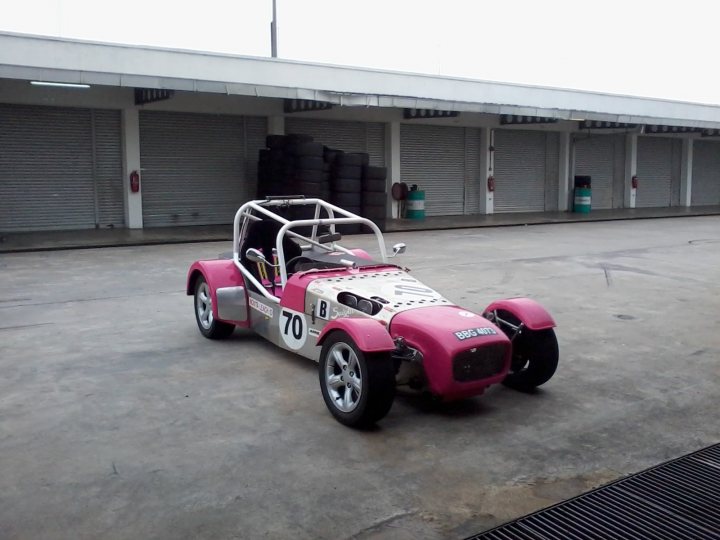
[640, 47]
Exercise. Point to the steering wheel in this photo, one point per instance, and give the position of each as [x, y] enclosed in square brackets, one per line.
[292, 263]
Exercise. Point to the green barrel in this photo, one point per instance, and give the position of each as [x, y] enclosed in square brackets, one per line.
[583, 200]
[415, 205]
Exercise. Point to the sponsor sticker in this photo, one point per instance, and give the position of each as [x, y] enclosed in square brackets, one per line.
[462, 335]
[466, 314]
[340, 312]
[313, 332]
[262, 308]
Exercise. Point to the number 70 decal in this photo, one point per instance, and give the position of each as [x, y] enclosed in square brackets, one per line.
[293, 328]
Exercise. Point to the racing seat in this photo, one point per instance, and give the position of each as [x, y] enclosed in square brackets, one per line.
[262, 236]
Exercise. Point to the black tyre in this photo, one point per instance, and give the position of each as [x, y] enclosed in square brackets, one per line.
[296, 138]
[380, 222]
[358, 388]
[331, 154]
[278, 178]
[311, 189]
[208, 325]
[373, 199]
[346, 200]
[345, 185]
[309, 163]
[275, 141]
[314, 149]
[348, 171]
[304, 175]
[374, 173]
[262, 172]
[374, 212]
[353, 228]
[364, 158]
[534, 359]
[275, 167]
[374, 186]
[355, 160]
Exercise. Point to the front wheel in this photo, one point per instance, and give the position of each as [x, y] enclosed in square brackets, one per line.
[358, 388]
[534, 359]
[208, 325]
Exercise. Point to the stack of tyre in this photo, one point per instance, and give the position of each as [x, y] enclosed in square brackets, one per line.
[297, 165]
[309, 176]
[346, 184]
[374, 197]
[292, 165]
[275, 168]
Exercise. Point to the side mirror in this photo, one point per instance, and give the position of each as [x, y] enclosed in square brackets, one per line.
[398, 249]
[253, 255]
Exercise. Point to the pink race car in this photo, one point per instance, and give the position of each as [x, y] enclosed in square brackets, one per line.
[368, 322]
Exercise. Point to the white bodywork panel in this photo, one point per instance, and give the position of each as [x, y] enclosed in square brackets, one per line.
[395, 289]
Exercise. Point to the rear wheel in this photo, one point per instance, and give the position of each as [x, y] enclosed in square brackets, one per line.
[358, 388]
[534, 359]
[208, 325]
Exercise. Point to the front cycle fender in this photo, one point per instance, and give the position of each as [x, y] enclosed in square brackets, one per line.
[369, 335]
[527, 311]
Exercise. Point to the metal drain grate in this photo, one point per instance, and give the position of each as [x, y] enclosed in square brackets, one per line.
[677, 500]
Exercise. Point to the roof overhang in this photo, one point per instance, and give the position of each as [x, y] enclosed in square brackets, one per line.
[54, 59]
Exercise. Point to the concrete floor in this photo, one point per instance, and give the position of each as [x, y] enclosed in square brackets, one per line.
[118, 420]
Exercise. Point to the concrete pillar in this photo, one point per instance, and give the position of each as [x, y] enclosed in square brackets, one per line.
[131, 162]
[276, 125]
[392, 162]
[686, 166]
[486, 170]
[630, 169]
[564, 169]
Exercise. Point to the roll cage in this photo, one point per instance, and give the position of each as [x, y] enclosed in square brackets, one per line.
[325, 214]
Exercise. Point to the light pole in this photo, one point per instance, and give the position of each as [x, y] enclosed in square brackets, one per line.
[273, 31]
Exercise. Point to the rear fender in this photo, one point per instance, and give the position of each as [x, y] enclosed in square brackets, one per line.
[227, 289]
[529, 312]
[368, 334]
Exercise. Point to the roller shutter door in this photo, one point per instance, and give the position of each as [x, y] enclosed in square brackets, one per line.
[658, 170]
[595, 157]
[433, 157]
[526, 164]
[197, 168]
[706, 173]
[347, 136]
[60, 168]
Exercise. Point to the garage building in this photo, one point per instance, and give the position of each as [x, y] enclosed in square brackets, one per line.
[77, 119]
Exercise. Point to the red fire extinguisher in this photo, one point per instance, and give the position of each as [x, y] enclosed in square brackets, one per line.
[491, 183]
[634, 182]
[134, 181]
